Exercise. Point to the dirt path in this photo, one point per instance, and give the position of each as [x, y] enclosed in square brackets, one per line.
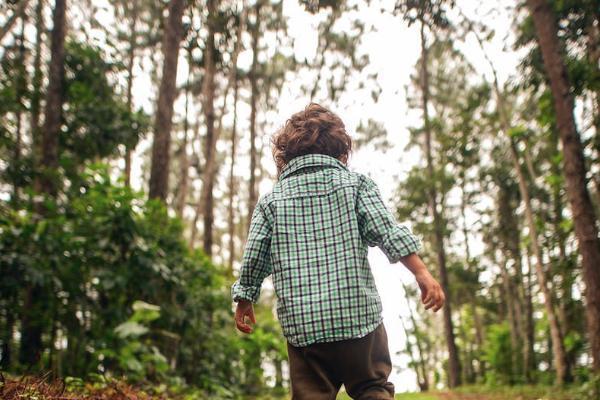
[460, 396]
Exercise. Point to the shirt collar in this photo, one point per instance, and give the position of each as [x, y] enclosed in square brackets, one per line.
[310, 160]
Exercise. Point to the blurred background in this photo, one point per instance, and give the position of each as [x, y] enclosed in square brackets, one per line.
[135, 142]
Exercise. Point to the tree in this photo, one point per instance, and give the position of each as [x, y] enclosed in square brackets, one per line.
[208, 106]
[46, 182]
[173, 34]
[253, 76]
[431, 14]
[574, 166]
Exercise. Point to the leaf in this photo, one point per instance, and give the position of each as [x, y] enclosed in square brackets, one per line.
[130, 328]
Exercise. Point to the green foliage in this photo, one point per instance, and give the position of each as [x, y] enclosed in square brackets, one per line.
[96, 118]
[498, 353]
[154, 309]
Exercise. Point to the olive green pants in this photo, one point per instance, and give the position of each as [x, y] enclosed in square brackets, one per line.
[363, 365]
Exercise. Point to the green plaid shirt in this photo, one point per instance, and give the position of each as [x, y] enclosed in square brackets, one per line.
[312, 234]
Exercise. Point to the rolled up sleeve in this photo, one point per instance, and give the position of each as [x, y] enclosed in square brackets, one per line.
[378, 226]
[256, 260]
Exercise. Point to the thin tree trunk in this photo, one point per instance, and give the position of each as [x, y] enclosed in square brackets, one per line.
[574, 167]
[208, 102]
[559, 353]
[184, 165]
[173, 34]
[20, 87]
[36, 94]
[130, 62]
[54, 100]
[530, 323]
[32, 322]
[198, 203]
[255, 32]
[184, 160]
[454, 369]
[558, 347]
[231, 213]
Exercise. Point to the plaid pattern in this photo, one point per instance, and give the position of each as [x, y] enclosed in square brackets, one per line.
[312, 234]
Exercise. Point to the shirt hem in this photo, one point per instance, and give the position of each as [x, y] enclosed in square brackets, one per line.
[368, 329]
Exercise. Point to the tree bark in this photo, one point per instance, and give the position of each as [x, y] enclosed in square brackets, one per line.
[32, 322]
[159, 170]
[231, 214]
[54, 100]
[181, 193]
[454, 369]
[208, 102]
[558, 347]
[36, 94]
[255, 32]
[20, 87]
[130, 63]
[473, 298]
[574, 167]
[560, 360]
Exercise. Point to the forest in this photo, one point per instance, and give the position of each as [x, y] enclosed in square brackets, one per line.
[135, 143]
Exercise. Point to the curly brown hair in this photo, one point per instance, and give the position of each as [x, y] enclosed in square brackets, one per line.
[315, 130]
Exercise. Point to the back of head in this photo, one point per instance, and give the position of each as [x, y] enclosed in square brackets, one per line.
[315, 130]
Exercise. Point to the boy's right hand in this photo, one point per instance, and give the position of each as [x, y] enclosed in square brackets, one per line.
[432, 293]
[244, 309]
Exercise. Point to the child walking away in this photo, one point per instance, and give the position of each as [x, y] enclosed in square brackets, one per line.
[312, 234]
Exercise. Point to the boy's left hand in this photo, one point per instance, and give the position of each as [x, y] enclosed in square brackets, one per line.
[244, 309]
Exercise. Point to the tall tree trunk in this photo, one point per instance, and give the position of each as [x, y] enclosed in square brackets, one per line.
[558, 348]
[574, 167]
[507, 202]
[54, 100]
[231, 213]
[184, 160]
[32, 322]
[530, 323]
[173, 34]
[198, 208]
[36, 94]
[473, 298]
[208, 102]
[454, 369]
[255, 32]
[130, 62]
[20, 88]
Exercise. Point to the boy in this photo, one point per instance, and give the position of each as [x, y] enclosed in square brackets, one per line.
[312, 234]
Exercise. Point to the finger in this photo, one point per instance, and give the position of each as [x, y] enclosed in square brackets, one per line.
[251, 315]
[426, 294]
[245, 328]
[429, 303]
[241, 325]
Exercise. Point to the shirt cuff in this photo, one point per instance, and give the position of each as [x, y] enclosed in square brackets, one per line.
[241, 292]
[400, 242]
